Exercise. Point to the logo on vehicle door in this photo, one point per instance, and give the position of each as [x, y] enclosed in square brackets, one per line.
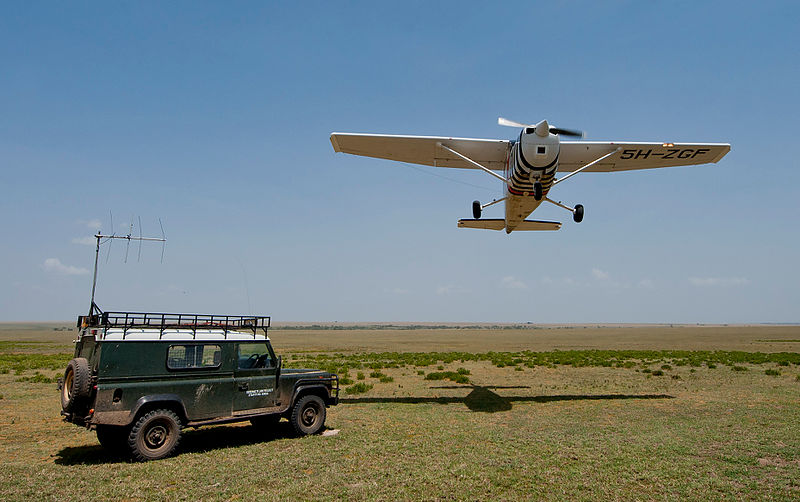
[259, 392]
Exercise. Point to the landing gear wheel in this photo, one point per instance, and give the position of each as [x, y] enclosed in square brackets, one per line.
[476, 209]
[77, 387]
[155, 435]
[538, 191]
[308, 415]
[578, 214]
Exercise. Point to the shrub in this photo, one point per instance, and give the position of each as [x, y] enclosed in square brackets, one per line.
[658, 373]
[376, 374]
[676, 377]
[358, 388]
[420, 372]
[440, 367]
[739, 368]
[666, 367]
[449, 375]
[462, 371]
[772, 372]
[386, 379]
[345, 381]
[711, 366]
[360, 375]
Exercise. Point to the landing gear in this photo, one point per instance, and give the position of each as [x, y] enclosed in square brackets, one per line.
[537, 191]
[577, 211]
[577, 215]
[476, 209]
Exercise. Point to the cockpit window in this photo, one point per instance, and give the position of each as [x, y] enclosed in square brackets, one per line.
[541, 150]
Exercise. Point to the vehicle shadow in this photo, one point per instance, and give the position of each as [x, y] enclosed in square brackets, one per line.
[193, 441]
[483, 399]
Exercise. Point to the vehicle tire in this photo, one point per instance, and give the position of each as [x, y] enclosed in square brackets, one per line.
[266, 421]
[538, 191]
[578, 214]
[112, 437]
[308, 415]
[476, 209]
[77, 387]
[155, 435]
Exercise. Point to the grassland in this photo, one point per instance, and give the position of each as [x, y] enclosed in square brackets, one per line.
[646, 412]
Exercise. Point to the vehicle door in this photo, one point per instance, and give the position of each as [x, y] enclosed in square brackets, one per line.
[254, 378]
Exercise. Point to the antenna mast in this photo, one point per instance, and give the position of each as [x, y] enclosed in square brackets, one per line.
[108, 238]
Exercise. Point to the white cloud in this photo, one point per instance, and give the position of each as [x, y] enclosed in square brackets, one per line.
[599, 274]
[510, 282]
[701, 282]
[86, 241]
[450, 289]
[55, 265]
[94, 224]
[646, 284]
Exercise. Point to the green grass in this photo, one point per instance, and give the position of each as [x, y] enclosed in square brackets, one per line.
[574, 425]
[358, 388]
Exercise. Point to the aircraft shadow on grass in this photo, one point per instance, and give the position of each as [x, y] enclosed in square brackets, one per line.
[482, 399]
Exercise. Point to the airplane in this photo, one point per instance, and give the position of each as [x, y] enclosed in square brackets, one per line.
[528, 164]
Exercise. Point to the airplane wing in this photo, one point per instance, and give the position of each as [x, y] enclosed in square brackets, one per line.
[575, 154]
[491, 153]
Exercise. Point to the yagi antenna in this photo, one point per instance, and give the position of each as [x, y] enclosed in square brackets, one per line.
[103, 238]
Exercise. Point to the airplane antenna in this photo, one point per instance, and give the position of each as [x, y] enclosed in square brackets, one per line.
[109, 238]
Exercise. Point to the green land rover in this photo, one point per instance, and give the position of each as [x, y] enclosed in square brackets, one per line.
[138, 378]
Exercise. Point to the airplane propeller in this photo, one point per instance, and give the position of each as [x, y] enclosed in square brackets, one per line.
[541, 126]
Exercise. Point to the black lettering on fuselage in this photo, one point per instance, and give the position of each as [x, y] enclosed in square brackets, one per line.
[700, 151]
[627, 154]
[671, 153]
[685, 154]
[643, 154]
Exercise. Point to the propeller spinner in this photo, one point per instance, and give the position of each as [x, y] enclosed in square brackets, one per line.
[542, 128]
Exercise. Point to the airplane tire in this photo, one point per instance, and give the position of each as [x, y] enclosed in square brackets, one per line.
[476, 209]
[537, 191]
[578, 214]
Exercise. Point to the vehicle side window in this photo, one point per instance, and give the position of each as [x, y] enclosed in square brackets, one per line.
[180, 357]
[254, 355]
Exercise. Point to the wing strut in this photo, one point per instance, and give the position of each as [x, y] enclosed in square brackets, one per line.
[590, 164]
[467, 159]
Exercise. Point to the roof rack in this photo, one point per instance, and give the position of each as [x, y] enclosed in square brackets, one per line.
[184, 322]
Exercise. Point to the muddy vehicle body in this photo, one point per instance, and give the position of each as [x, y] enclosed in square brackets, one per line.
[139, 378]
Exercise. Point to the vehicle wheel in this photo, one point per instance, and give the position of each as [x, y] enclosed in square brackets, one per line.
[538, 191]
[266, 421]
[112, 437]
[578, 214]
[77, 386]
[308, 415]
[476, 209]
[155, 435]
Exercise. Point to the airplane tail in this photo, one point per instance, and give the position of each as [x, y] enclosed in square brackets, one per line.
[498, 224]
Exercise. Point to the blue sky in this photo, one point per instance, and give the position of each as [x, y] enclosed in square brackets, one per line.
[215, 117]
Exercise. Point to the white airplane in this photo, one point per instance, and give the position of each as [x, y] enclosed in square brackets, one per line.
[528, 164]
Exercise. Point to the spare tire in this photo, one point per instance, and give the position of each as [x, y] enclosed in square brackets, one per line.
[77, 386]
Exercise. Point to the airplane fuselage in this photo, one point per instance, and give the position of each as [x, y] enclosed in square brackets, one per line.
[532, 158]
